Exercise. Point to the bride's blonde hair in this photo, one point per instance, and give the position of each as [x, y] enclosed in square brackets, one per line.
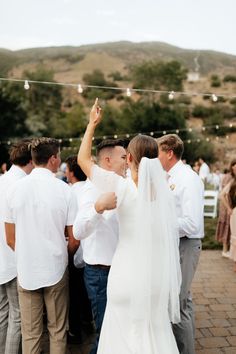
[142, 146]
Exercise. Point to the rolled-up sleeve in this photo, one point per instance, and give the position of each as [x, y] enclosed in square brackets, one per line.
[87, 218]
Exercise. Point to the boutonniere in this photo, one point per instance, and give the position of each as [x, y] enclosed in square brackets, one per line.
[172, 187]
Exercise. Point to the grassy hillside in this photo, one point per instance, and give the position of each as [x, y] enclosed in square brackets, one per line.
[72, 62]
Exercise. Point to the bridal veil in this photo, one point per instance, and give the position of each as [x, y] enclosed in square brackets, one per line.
[156, 286]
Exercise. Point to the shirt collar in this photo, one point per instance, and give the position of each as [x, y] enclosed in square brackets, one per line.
[175, 168]
[17, 170]
[42, 171]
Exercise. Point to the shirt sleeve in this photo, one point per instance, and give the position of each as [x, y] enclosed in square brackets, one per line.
[108, 181]
[8, 209]
[72, 209]
[192, 208]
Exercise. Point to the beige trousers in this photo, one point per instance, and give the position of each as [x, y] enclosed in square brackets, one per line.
[32, 302]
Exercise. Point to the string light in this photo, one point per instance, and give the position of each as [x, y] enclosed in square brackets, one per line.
[128, 91]
[153, 133]
[26, 85]
[171, 95]
[80, 88]
[214, 98]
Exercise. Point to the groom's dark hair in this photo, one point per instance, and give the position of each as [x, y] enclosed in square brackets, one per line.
[171, 142]
[109, 143]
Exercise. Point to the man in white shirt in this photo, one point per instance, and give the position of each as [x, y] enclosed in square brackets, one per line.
[96, 225]
[39, 210]
[10, 325]
[188, 191]
[80, 313]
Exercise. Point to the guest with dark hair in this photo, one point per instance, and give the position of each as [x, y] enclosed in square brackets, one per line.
[10, 324]
[80, 313]
[39, 210]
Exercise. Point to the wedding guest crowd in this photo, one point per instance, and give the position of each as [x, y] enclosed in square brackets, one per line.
[57, 242]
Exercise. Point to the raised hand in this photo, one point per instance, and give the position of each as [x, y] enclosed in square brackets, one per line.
[95, 114]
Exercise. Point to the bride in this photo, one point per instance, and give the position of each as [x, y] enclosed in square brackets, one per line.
[144, 280]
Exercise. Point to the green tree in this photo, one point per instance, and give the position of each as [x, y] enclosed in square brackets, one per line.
[43, 103]
[13, 115]
[97, 78]
[215, 81]
[158, 75]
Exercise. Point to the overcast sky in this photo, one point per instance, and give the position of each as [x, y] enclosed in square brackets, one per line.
[194, 24]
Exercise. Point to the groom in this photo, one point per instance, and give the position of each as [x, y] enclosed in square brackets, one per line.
[188, 190]
[98, 231]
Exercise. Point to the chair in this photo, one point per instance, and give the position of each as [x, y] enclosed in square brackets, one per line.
[210, 203]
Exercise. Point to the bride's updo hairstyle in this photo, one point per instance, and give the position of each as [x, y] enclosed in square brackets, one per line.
[142, 146]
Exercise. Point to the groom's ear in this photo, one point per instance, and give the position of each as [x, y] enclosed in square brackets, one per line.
[129, 157]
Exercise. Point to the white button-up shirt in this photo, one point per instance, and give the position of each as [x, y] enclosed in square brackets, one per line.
[40, 206]
[7, 255]
[188, 191]
[98, 232]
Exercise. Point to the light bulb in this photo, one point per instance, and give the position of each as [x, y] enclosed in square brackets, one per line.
[214, 98]
[128, 92]
[26, 85]
[80, 89]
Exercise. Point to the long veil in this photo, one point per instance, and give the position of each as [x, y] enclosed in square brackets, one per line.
[156, 286]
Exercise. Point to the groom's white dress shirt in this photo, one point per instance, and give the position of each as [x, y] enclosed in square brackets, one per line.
[188, 190]
[98, 232]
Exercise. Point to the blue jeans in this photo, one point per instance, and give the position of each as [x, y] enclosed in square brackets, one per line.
[96, 283]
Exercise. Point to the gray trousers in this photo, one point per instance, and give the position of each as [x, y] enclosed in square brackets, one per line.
[184, 331]
[10, 324]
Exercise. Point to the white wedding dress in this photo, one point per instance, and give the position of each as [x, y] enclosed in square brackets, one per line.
[144, 280]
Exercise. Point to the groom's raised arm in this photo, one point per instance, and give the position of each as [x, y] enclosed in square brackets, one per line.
[84, 158]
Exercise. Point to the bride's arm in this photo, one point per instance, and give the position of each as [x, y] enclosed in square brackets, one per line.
[84, 158]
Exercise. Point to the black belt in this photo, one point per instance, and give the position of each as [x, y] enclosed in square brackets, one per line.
[100, 266]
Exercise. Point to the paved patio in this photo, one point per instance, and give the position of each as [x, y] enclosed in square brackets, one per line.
[214, 294]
